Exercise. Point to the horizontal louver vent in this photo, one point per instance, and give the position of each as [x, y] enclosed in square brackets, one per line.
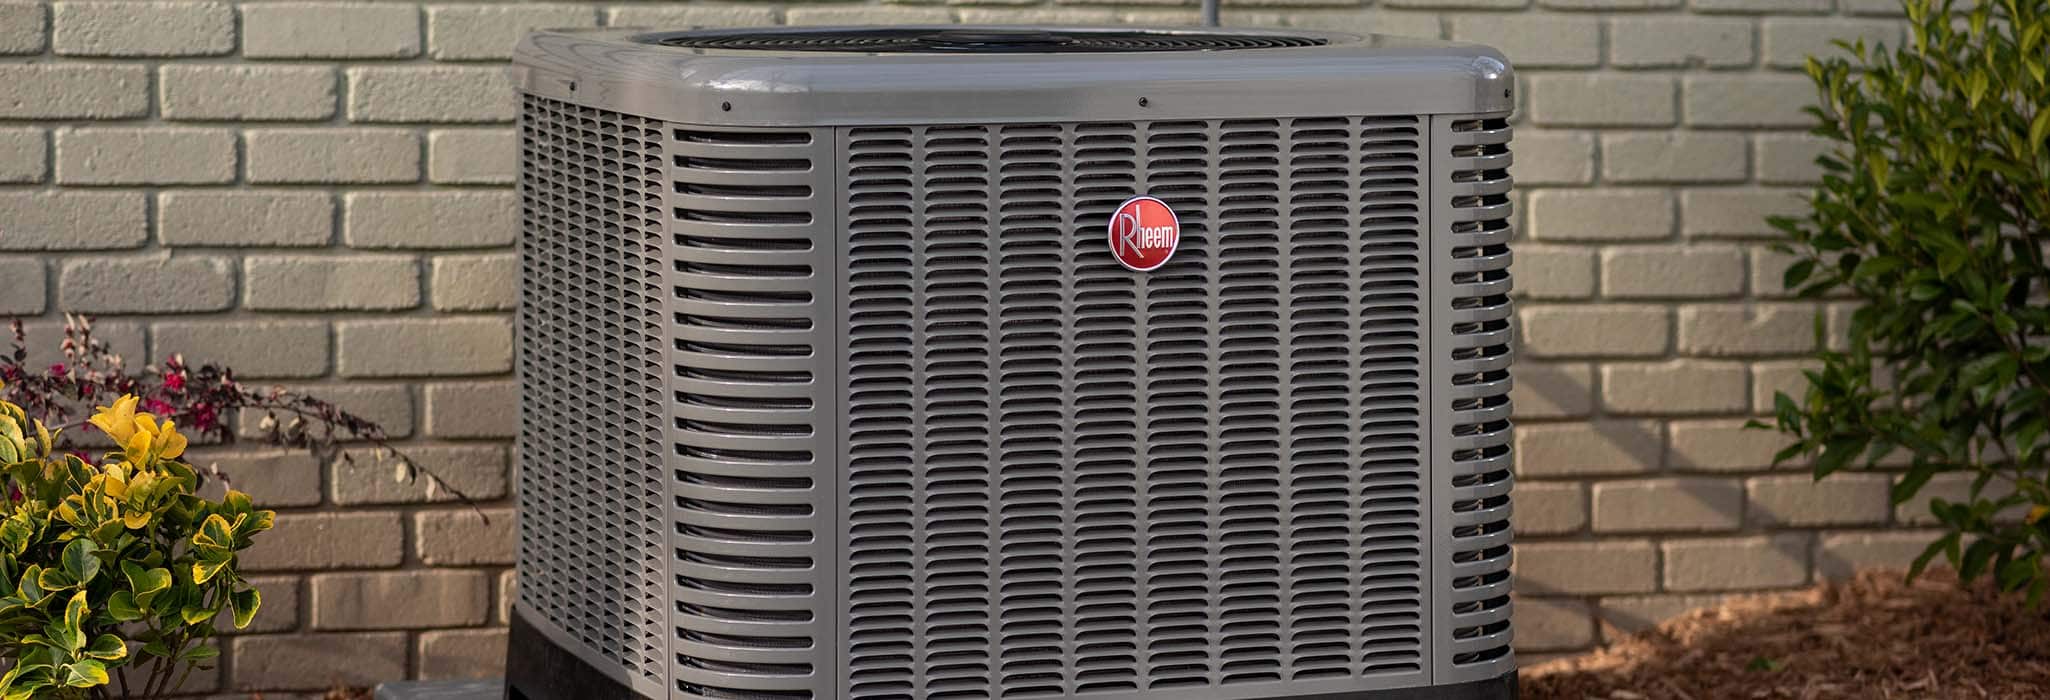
[591, 363]
[1065, 477]
[1476, 390]
[747, 226]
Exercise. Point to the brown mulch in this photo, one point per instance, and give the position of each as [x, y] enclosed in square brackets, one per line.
[1871, 637]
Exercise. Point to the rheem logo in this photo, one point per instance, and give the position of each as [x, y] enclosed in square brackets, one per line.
[1144, 233]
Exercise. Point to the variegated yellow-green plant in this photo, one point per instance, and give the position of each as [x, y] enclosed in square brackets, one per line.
[112, 574]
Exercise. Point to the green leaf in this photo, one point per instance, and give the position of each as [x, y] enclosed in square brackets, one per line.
[245, 603]
[80, 560]
[69, 632]
[121, 606]
[200, 652]
[1976, 557]
[1929, 554]
[85, 674]
[206, 569]
[107, 647]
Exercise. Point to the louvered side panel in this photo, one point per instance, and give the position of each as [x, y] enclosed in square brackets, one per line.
[1065, 478]
[1470, 161]
[752, 364]
[591, 543]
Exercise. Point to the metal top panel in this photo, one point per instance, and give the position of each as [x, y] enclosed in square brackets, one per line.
[631, 71]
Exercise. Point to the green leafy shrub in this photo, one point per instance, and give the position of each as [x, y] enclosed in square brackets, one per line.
[94, 557]
[1934, 215]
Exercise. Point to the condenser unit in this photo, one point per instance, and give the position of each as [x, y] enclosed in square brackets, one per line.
[936, 363]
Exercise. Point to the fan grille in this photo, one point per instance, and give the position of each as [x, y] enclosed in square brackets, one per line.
[995, 41]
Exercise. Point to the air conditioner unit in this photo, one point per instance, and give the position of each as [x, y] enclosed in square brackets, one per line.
[971, 362]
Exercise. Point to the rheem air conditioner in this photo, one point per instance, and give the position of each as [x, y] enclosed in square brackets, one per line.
[972, 362]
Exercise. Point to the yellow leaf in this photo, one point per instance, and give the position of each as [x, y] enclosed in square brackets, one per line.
[135, 519]
[118, 420]
[171, 442]
[2037, 513]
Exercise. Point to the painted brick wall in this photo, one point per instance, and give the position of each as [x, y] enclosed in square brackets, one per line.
[318, 193]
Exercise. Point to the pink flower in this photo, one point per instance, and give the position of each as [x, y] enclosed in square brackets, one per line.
[174, 381]
[157, 406]
[58, 369]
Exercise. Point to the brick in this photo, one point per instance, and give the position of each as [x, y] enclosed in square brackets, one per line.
[1789, 159]
[1418, 24]
[1841, 555]
[1672, 272]
[508, 591]
[1738, 212]
[1789, 41]
[24, 155]
[255, 349]
[1749, 100]
[155, 284]
[354, 540]
[1675, 387]
[425, 347]
[1727, 330]
[1552, 623]
[463, 538]
[23, 28]
[279, 478]
[671, 17]
[1768, 273]
[477, 471]
[73, 91]
[246, 93]
[1763, 6]
[868, 15]
[1608, 330]
[1602, 100]
[23, 282]
[431, 219]
[399, 599]
[44, 340]
[476, 282]
[390, 406]
[1554, 272]
[1553, 157]
[1611, 566]
[486, 32]
[1006, 13]
[1668, 505]
[1601, 215]
[317, 661]
[1888, 8]
[1460, 4]
[1588, 448]
[1771, 378]
[320, 156]
[1547, 508]
[1552, 390]
[330, 282]
[279, 611]
[473, 156]
[1801, 501]
[163, 156]
[1635, 613]
[456, 654]
[330, 30]
[36, 220]
[1535, 41]
[476, 409]
[143, 28]
[429, 94]
[1674, 156]
[245, 219]
[1721, 445]
[1679, 42]
[1609, 4]
[1738, 563]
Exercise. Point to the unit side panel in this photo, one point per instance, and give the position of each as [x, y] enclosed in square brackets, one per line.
[750, 266]
[1471, 465]
[1067, 479]
[592, 474]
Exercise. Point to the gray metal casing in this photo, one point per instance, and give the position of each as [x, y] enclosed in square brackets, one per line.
[831, 388]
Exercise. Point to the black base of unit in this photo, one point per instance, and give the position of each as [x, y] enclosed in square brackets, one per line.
[537, 669]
